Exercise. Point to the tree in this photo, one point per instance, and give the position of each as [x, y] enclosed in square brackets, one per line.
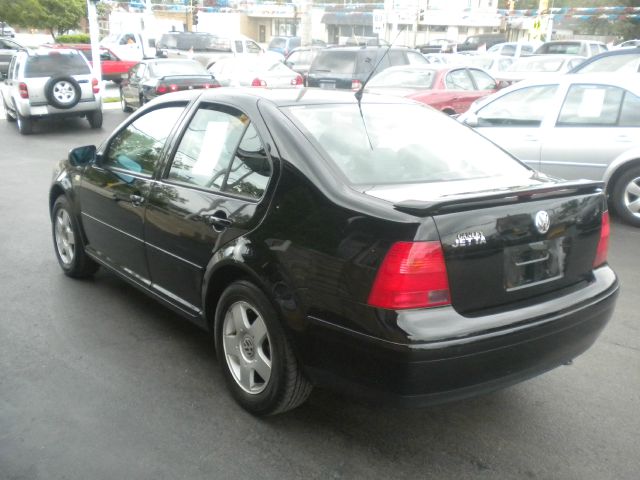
[56, 16]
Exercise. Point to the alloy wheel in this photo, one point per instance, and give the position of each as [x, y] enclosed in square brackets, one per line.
[64, 92]
[631, 197]
[64, 237]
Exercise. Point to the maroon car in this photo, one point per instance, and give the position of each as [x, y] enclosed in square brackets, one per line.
[450, 89]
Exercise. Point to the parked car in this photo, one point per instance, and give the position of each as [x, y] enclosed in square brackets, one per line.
[473, 42]
[513, 49]
[629, 44]
[285, 45]
[572, 126]
[206, 48]
[539, 66]
[7, 30]
[301, 58]
[252, 72]
[626, 60]
[113, 67]
[438, 45]
[8, 48]
[385, 260]
[349, 67]
[449, 89]
[583, 48]
[494, 64]
[49, 83]
[151, 78]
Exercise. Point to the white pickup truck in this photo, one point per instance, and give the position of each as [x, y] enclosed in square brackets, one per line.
[131, 45]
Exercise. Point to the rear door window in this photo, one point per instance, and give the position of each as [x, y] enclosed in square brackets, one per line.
[482, 80]
[458, 80]
[591, 105]
[521, 108]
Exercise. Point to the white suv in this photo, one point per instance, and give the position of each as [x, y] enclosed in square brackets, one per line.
[50, 83]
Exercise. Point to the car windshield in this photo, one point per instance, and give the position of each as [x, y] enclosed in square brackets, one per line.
[404, 78]
[56, 63]
[614, 63]
[335, 62]
[177, 68]
[537, 64]
[400, 143]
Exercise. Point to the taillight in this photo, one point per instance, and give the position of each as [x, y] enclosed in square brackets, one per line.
[210, 85]
[297, 81]
[24, 91]
[258, 83]
[162, 88]
[603, 243]
[356, 84]
[95, 86]
[173, 87]
[412, 275]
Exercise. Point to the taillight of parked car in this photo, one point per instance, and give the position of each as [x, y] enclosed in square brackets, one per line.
[257, 82]
[412, 275]
[24, 91]
[356, 84]
[603, 244]
[210, 85]
[164, 88]
[297, 81]
[95, 85]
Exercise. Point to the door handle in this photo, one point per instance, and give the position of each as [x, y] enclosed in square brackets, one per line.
[218, 221]
[137, 200]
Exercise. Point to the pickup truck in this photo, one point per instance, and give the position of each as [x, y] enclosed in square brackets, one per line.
[134, 46]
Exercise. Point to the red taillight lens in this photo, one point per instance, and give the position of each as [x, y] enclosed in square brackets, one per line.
[95, 86]
[603, 244]
[24, 91]
[258, 83]
[356, 84]
[412, 275]
[173, 87]
[210, 85]
[162, 88]
[297, 81]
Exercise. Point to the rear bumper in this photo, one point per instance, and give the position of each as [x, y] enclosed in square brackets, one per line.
[455, 366]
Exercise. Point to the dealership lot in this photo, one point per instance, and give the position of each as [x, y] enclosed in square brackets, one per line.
[98, 381]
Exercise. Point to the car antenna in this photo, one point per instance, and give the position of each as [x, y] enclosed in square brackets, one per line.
[360, 91]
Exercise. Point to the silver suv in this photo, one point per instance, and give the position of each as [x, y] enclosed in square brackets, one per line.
[50, 83]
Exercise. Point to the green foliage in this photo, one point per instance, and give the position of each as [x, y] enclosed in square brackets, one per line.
[56, 16]
[74, 38]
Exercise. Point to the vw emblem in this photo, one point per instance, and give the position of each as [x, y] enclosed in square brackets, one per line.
[542, 221]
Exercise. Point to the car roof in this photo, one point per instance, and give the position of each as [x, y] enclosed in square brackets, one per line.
[357, 48]
[628, 81]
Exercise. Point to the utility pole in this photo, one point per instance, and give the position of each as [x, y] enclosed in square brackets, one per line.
[94, 34]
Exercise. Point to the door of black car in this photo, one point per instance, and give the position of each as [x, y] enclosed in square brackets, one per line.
[131, 89]
[115, 190]
[212, 192]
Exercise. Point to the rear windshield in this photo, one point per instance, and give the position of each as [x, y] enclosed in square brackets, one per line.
[569, 48]
[56, 63]
[197, 42]
[401, 143]
[177, 68]
[278, 42]
[335, 62]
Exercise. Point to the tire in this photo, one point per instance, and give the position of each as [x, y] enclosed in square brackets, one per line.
[68, 243]
[62, 92]
[6, 112]
[123, 103]
[625, 196]
[256, 357]
[25, 124]
[95, 119]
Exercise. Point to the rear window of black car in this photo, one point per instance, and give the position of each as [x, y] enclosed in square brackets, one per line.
[56, 64]
[335, 61]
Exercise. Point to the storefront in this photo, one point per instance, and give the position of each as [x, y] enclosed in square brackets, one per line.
[267, 21]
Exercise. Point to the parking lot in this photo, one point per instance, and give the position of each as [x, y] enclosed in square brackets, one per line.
[99, 381]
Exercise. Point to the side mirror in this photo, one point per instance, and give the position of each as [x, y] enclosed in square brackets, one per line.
[471, 120]
[81, 156]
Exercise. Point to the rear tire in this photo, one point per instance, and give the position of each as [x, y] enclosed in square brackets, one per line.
[625, 196]
[123, 103]
[256, 357]
[25, 124]
[7, 114]
[68, 243]
[95, 119]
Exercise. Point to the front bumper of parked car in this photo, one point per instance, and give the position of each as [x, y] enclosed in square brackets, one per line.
[464, 356]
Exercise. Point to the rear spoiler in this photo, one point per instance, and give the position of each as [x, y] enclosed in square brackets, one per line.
[464, 202]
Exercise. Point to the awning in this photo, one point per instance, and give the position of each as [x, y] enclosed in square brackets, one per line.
[348, 18]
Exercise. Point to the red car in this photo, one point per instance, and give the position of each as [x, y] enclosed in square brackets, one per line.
[112, 66]
[450, 89]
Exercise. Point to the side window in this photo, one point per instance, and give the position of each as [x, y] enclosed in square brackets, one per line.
[138, 147]
[250, 170]
[12, 67]
[458, 80]
[483, 81]
[207, 147]
[591, 105]
[509, 50]
[396, 57]
[253, 47]
[521, 108]
[528, 49]
[239, 48]
[416, 58]
[630, 114]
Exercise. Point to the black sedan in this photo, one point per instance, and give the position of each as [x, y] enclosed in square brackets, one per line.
[151, 78]
[327, 242]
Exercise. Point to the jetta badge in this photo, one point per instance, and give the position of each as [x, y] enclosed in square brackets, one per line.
[467, 239]
[542, 221]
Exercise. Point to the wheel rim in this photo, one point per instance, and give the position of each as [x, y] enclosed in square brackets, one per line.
[64, 92]
[64, 236]
[631, 197]
[247, 347]
[123, 104]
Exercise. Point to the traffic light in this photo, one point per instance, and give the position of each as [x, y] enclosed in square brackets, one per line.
[194, 19]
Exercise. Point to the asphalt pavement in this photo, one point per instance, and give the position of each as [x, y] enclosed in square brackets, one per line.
[97, 381]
